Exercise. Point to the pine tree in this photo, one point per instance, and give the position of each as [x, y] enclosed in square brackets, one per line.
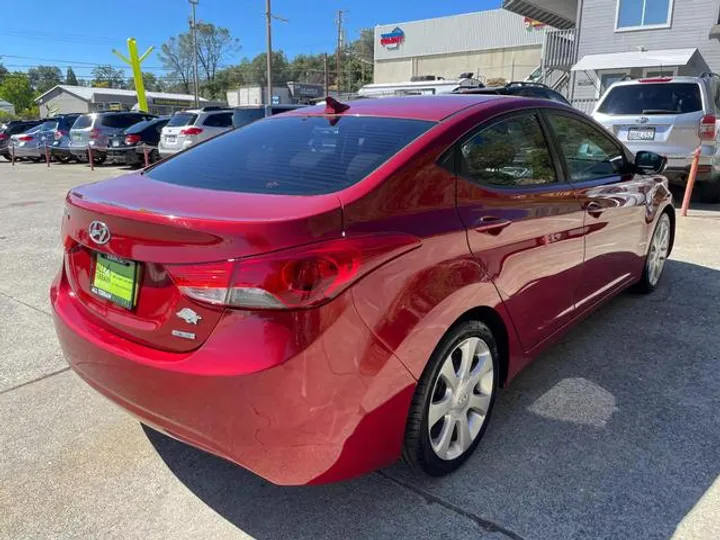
[70, 77]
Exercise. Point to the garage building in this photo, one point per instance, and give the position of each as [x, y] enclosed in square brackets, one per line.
[65, 98]
[490, 44]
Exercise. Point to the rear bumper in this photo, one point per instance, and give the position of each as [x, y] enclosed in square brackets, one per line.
[678, 175]
[297, 398]
[29, 152]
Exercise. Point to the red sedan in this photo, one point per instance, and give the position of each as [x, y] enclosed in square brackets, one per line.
[316, 294]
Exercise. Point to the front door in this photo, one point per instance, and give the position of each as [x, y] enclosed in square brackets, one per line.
[524, 223]
[614, 204]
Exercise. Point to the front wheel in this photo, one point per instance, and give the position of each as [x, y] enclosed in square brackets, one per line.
[657, 255]
[453, 401]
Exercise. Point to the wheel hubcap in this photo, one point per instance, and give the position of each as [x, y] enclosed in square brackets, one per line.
[460, 398]
[658, 250]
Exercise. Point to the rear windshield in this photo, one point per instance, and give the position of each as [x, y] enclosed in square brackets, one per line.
[119, 121]
[291, 155]
[651, 98]
[182, 119]
[140, 126]
[83, 121]
[50, 125]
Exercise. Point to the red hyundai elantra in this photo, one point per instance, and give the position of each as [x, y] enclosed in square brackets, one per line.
[320, 292]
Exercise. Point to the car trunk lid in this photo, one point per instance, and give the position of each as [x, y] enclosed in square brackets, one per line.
[153, 226]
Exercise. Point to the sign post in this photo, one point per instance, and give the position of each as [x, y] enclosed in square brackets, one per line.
[134, 62]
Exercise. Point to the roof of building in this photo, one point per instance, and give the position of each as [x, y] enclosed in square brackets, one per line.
[88, 93]
[635, 59]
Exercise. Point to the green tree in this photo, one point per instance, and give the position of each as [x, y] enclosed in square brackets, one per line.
[108, 77]
[43, 78]
[70, 77]
[214, 45]
[17, 90]
[151, 82]
[3, 73]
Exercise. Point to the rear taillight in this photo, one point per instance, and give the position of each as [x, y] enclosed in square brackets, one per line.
[132, 139]
[25, 138]
[292, 279]
[94, 133]
[3, 136]
[59, 134]
[706, 130]
[191, 131]
[656, 80]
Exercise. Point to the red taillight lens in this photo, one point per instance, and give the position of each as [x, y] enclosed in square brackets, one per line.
[3, 136]
[132, 139]
[191, 131]
[59, 134]
[706, 130]
[25, 138]
[95, 134]
[293, 279]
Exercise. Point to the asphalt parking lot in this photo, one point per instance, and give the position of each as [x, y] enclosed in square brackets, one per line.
[614, 433]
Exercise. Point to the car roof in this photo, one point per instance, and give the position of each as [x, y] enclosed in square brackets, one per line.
[663, 80]
[431, 108]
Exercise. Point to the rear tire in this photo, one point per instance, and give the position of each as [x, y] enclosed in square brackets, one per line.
[62, 159]
[456, 394]
[99, 160]
[658, 252]
[7, 157]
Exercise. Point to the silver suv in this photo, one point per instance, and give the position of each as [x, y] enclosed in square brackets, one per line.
[95, 129]
[672, 116]
[187, 128]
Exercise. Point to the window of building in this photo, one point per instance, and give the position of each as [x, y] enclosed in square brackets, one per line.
[510, 153]
[589, 153]
[643, 14]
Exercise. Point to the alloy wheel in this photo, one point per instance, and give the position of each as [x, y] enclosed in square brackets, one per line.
[659, 247]
[461, 398]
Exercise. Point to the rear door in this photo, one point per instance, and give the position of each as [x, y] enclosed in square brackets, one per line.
[524, 223]
[613, 200]
[661, 116]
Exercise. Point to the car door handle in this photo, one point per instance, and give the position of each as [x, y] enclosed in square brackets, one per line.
[593, 208]
[491, 224]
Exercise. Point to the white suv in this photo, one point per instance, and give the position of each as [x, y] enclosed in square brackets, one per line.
[672, 116]
[187, 128]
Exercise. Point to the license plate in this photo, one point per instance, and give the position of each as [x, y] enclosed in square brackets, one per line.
[115, 279]
[641, 134]
[116, 143]
[170, 139]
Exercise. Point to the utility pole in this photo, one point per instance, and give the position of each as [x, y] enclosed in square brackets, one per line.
[193, 27]
[340, 14]
[325, 65]
[268, 21]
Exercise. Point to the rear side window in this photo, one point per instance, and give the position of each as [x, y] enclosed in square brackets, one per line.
[119, 121]
[182, 119]
[219, 120]
[653, 98]
[291, 155]
[50, 125]
[510, 153]
[83, 121]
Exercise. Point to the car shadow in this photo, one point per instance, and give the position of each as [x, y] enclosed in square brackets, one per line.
[614, 432]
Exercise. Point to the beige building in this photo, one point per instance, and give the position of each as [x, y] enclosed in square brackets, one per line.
[490, 44]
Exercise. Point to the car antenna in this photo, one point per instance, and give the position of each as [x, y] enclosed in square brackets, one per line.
[333, 106]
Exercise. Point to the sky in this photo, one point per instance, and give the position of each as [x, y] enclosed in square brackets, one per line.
[80, 33]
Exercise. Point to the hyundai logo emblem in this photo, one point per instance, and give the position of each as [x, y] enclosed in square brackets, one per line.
[99, 232]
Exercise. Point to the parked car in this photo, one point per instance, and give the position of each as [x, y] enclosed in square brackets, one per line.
[518, 88]
[129, 146]
[59, 146]
[242, 116]
[313, 315]
[95, 130]
[14, 128]
[31, 144]
[672, 116]
[187, 128]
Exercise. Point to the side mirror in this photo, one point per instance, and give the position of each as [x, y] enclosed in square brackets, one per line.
[650, 162]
